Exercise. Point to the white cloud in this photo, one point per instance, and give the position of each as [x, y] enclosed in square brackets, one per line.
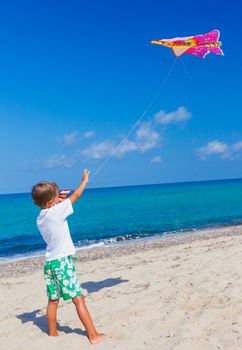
[60, 160]
[155, 160]
[237, 146]
[99, 150]
[178, 116]
[213, 147]
[71, 139]
[103, 149]
[89, 134]
[125, 147]
[220, 148]
[145, 139]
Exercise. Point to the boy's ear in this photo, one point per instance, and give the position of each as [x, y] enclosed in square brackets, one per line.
[49, 204]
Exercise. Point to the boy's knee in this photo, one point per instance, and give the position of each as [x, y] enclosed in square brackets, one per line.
[77, 300]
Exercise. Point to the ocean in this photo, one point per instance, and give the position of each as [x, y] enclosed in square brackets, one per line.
[109, 215]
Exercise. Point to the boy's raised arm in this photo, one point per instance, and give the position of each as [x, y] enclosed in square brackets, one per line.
[78, 192]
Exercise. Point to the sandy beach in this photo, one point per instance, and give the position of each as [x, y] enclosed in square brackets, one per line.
[176, 293]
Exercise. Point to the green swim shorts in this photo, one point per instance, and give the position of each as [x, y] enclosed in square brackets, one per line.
[61, 279]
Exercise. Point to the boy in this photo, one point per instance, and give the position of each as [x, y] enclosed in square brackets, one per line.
[59, 271]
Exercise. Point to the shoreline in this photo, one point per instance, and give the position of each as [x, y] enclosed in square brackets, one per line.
[120, 240]
[27, 265]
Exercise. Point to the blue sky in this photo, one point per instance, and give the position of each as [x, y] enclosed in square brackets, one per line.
[75, 77]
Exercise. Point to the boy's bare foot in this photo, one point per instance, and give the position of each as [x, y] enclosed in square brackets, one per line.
[99, 337]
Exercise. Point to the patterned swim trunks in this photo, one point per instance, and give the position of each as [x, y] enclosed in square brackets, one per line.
[61, 279]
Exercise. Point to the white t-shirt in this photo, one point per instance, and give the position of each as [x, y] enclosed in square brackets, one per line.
[54, 229]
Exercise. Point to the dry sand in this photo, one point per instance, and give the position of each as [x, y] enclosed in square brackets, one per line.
[176, 293]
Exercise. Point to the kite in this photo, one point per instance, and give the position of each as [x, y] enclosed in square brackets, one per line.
[198, 45]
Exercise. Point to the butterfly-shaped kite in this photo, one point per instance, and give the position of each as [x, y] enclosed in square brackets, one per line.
[198, 45]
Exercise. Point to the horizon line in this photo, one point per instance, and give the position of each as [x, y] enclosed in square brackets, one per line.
[140, 185]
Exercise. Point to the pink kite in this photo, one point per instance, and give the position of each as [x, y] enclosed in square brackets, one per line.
[199, 45]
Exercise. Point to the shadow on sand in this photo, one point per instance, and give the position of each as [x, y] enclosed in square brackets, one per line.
[39, 319]
[93, 287]
[38, 316]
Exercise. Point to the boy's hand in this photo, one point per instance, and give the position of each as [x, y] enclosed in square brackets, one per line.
[78, 192]
[85, 175]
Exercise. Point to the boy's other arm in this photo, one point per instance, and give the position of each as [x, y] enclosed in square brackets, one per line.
[78, 192]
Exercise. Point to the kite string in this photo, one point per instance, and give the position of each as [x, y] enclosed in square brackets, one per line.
[161, 87]
[183, 65]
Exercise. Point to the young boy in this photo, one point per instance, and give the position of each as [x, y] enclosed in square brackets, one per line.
[59, 271]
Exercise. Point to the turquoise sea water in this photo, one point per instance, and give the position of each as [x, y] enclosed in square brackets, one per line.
[108, 215]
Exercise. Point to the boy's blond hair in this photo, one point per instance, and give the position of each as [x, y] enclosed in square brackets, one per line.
[43, 192]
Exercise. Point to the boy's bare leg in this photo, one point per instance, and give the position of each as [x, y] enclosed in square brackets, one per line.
[51, 316]
[83, 313]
